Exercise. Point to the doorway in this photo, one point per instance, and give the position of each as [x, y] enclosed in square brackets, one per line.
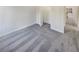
[71, 19]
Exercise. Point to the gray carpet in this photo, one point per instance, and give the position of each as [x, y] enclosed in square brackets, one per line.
[39, 39]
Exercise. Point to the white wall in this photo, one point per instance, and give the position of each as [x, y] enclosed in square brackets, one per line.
[12, 18]
[57, 18]
[45, 14]
[42, 15]
[77, 17]
[39, 16]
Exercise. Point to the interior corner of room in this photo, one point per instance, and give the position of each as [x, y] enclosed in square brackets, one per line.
[60, 18]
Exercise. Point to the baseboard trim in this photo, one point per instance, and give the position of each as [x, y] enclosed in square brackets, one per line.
[57, 30]
[17, 29]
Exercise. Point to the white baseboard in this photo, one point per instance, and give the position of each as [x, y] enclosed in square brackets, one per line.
[17, 29]
[57, 30]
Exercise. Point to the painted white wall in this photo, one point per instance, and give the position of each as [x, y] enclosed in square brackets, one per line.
[45, 14]
[78, 18]
[39, 16]
[13, 18]
[45, 18]
[57, 18]
[76, 15]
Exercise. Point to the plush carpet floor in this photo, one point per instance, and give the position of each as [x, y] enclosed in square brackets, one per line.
[39, 39]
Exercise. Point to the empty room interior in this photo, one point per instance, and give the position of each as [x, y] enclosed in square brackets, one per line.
[39, 28]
